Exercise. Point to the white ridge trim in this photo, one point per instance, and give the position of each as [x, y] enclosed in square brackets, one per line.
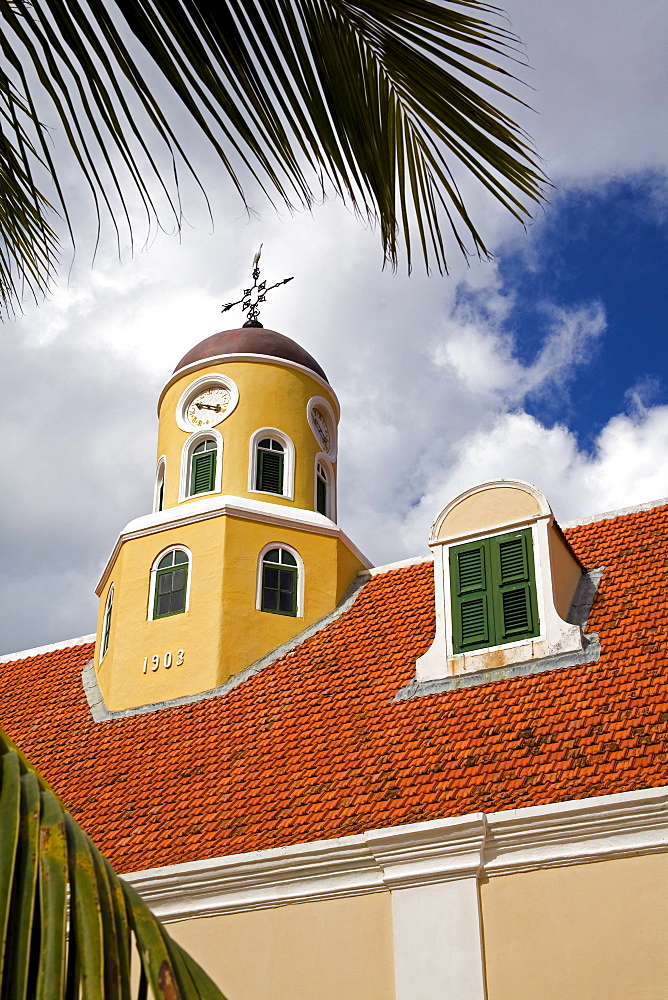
[413, 855]
[609, 514]
[25, 654]
[413, 561]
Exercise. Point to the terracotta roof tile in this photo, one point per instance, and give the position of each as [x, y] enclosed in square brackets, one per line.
[314, 746]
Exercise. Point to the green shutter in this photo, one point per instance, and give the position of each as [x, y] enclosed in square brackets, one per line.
[321, 496]
[515, 610]
[470, 597]
[270, 471]
[203, 472]
[493, 591]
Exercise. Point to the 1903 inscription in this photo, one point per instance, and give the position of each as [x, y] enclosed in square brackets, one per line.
[166, 660]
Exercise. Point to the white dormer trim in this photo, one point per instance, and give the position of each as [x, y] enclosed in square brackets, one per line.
[556, 636]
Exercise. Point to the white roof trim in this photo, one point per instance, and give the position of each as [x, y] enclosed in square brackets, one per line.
[266, 359]
[608, 515]
[246, 508]
[580, 831]
[25, 654]
[414, 561]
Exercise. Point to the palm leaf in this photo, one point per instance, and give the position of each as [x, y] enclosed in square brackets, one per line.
[43, 854]
[379, 100]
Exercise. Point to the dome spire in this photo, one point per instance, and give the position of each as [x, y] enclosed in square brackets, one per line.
[253, 296]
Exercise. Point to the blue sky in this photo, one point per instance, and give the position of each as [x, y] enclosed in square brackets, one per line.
[608, 245]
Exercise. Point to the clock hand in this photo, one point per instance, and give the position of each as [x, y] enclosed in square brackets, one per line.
[207, 406]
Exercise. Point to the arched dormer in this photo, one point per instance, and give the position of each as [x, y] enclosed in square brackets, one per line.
[505, 579]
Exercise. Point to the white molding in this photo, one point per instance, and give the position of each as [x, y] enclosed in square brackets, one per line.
[247, 509]
[406, 857]
[196, 438]
[288, 492]
[214, 380]
[26, 654]
[263, 359]
[300, 575]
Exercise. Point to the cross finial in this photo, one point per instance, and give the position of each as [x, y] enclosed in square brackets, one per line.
[253, 296]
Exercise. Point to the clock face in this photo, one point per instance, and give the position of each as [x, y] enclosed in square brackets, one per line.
[209, 407]
[321, 428]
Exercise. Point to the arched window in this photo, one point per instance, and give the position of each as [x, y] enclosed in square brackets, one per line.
[321, 490]
[106, 622]
[169, 584]
[270, 468]
[159, 495]
[279, 592]
[203, 467]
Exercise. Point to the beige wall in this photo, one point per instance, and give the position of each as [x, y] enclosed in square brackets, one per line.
[326, 950]
[588, 932]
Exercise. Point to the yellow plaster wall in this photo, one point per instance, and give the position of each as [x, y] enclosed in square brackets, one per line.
[486, 510]
[566, 572]
[325, 950]
[222, 632]
[587, 932]
[269, 396]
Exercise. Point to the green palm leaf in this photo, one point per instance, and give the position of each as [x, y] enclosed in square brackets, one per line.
[43, 854]
[378, 100]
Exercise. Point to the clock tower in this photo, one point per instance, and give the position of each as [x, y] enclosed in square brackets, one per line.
[242, 550]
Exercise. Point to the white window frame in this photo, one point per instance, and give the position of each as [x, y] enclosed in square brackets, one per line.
[300, 576]
[160, 479]
[186, 463]
[322, 459]
[108, 611]
[288, 462]
[154, 570]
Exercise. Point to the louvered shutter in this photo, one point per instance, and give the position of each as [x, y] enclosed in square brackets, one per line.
[515, 610]
[203, 472]
[471, 606]
[321, 496]
[270, 471]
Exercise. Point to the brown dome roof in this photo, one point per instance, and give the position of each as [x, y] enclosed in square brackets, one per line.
[251, 340]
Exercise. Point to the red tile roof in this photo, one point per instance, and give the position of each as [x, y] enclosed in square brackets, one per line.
[315, 747]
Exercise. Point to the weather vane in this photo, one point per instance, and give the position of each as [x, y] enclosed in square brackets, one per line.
[257, 293]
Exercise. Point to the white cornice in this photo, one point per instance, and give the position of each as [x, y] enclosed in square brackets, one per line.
[231, 506]
[518, 840]
[264, 359]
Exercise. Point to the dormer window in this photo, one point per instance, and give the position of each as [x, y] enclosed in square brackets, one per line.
[493, 591]
[505, 580]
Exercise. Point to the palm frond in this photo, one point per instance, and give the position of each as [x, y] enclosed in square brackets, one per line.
[43, 954]
[380, 100]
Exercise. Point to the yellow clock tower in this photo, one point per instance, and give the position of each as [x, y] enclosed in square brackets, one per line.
[242, 551]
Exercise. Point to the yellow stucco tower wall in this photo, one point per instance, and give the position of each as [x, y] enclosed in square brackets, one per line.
[225, 531]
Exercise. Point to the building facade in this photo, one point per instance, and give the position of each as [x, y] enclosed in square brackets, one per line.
[440, 779]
